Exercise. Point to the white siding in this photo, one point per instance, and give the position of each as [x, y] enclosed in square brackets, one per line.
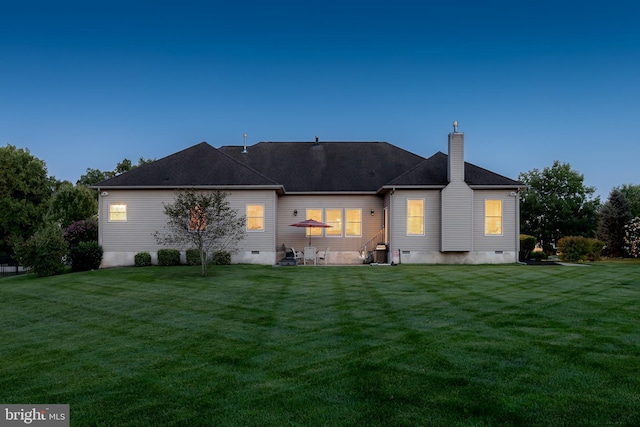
[398, 221]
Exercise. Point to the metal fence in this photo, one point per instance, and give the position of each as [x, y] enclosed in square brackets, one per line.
[9, 266]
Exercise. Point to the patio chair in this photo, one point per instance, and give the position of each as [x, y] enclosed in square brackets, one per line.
[296, 255]
[322, 256]
[289, 253]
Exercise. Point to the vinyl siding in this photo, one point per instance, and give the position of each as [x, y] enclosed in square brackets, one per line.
[505, 242]
[145, 216]
[457, 215]
[398, 221]
[296, 237]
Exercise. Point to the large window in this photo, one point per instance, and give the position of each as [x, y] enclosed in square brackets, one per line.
[255, 217]
[334, 219]
[415, 217]
[315, 214]
[493, 217]
[117, 213]
[353, 226]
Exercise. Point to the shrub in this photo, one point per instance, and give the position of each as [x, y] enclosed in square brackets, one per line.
[632, 237]
[44, 252]
[193, 257]
[578, 248]
[142, 259]
[538, 255]
[168, 257]
[81, 231]
[527, 245]
[221, 258]
[86, 256]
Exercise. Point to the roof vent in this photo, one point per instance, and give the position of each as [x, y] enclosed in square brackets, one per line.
[317, 140]
[244, 149]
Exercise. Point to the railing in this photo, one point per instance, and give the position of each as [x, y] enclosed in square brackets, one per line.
[366, 250]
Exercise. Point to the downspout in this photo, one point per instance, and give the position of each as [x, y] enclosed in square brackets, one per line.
[518, 229]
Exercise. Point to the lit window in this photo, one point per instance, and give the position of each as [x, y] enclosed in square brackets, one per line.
[415, 217]
[315, 214]
[117, 212]
[255, 217]
[493, 217]
[353, 227]
[197, 219]
[334, 219]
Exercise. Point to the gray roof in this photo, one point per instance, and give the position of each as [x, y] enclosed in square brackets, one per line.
[301, 167]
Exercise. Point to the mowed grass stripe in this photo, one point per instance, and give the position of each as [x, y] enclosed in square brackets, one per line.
[251, 345]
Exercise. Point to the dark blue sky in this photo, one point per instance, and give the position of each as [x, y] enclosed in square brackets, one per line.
[86, 84]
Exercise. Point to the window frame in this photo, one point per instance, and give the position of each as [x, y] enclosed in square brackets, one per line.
[340, 221]
[347, 222]
[408, 217]
[500, 218]
[125, 212]
[264, 226]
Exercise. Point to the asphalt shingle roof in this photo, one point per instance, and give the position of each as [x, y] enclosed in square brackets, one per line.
[301, 167]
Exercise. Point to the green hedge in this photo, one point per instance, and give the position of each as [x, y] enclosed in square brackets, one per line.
[168, 257]
[578, 248]
[86, 256]
[221, 258]
[142, 259]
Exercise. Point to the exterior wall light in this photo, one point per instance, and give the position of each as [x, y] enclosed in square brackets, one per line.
[372, 212]
[295, 212]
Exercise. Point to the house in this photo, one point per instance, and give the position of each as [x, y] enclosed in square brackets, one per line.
[381, 201]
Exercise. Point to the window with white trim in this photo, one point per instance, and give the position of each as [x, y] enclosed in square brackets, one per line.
[492, 217]
[415, 217]
[334, 219]
[255, 217]
[117, 213]
[353, 225]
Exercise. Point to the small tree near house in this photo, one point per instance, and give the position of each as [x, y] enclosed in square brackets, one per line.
[202, 220]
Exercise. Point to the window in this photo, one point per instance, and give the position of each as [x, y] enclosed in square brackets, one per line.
[317, 215]
[255, 217]
[197, 219]
[334, 219]
[415, 217]
[117, 212]
[493, 217]
[353, 227]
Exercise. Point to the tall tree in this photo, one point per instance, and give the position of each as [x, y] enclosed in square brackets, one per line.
[25, 190]
[613, 217]
[72, 203]
[632, 194]
[202, 220]
[557, 204]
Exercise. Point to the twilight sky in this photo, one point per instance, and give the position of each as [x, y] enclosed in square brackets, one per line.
[86, 84]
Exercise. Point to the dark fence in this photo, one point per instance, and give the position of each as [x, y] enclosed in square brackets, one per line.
[9, 266]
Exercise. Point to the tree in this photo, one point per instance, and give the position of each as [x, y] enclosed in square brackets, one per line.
[72, 203]
[95, 176]
[44, 251]
[557, 204]
[632, 194]
[25, 190]
[613, 217]
[203, 220]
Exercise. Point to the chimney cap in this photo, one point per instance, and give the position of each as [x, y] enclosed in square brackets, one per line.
[455, 126]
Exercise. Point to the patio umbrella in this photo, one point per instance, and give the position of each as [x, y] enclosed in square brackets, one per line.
[310, 223]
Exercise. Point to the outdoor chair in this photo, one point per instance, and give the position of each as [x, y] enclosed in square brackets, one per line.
[322, 256]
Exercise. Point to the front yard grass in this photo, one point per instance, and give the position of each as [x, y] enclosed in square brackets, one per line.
[336, 346]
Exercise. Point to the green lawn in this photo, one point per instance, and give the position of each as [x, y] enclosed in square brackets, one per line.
[335, 346]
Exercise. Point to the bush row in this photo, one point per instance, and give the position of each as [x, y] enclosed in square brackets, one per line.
[169, 257]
